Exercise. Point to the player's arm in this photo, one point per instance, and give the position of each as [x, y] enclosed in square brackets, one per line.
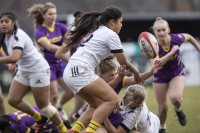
[192, 40]
[2, 54]
[121, 130]
[13, 58]
[109, 127]
[44, 42]
[61, 52]
[131, 81]
[120, 76]
[163, 60]
[121, 58]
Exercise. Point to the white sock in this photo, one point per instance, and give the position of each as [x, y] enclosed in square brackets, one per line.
[163, 126]
[80, 111]
[177, 109]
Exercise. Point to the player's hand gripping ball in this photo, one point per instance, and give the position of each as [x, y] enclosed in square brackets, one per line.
[148, 45]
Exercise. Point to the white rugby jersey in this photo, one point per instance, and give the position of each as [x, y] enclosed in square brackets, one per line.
[30, 57]
[144, 120]
[99, 45]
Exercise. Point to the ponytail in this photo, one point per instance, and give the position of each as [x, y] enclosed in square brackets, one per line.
[90, 22]
[85, 24]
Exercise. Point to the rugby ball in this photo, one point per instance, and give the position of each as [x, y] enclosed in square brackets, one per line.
[148, 45]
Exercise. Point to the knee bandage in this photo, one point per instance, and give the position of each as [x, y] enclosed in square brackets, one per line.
[49, 111]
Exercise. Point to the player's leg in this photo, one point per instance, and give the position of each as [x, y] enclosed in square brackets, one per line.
[53, 84]
[100, 96]
[77, 109]
[40, 86]
[15, 97]
[53, 92]
[102, 92]
[67, 95]
[42, 96]
[2, 107]
[176, 96]
[83, 120]
[160, 91]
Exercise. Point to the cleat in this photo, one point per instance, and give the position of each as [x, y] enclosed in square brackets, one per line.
[181, 117]
[39, 125]
[67, 124]
[162, 131]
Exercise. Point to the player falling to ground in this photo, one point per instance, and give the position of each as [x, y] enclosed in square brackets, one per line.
[20, 122]
[136, 115]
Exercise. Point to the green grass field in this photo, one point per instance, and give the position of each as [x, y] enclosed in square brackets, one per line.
[191, 107]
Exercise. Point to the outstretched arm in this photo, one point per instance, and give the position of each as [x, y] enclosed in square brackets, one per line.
[163, 60]
[109, 127]
[124, 61]
[131, 81]
[192, 40]
[120, 76]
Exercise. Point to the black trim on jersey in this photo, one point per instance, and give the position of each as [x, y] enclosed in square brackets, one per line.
[17, 47]
[117, 51]
[82, 45]
[88, 38]
[124, 127]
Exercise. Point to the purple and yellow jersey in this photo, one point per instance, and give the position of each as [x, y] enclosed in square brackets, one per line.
[174, 66]
[55, 34]
[26, 122]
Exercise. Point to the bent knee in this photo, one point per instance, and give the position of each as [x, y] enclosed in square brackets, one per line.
[115, 101]
[13, 102]
[176, 100]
